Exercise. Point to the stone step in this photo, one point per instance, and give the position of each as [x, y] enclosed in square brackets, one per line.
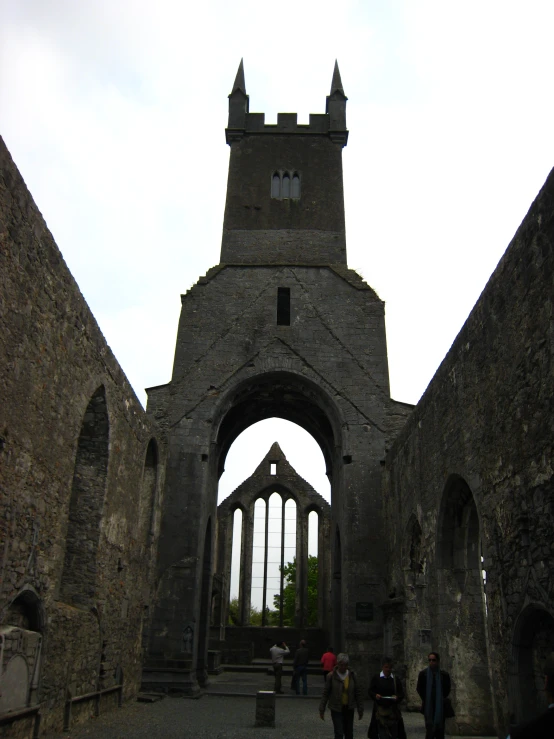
[260, 666]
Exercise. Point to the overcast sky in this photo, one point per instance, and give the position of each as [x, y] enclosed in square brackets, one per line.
[114, 111]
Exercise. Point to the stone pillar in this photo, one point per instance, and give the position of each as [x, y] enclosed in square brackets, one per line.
[265, 708]
[245, 580]
[301, 568]
[224, 556]
[323, 571]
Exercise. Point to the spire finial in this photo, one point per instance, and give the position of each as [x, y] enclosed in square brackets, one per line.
[336, 84]
[239, 79]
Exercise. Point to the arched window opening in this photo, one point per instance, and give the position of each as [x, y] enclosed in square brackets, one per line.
[295, 191]
[275, 562]
[148, 494]
[286, 603]
[276, 185]
[285, 186]
[462, 605]
[313, 569]
[205, 608]
[86, 504]
[236, 579]
[484, 578]
[258, 562]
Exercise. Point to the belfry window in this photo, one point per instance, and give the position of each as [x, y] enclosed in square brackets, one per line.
[276, 186]
[283, 306]
[285, 185]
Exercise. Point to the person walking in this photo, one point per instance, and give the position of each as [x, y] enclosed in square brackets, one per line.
[387, 692]
[342, 693]
[277, 653]
[541, 727]
[433, 687]
[300, 668]
[328, 661]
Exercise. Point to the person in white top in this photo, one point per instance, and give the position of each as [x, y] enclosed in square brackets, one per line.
[277, 653]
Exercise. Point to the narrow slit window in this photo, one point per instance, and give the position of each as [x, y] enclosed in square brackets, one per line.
[273, 468]
[286, 186]
[276, 186]
[283, 306]
[295, 193]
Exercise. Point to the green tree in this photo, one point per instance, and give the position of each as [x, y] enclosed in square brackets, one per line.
[289, 592]
[271, 617]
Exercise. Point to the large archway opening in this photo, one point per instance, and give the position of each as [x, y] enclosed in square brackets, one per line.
[532, 644]
[279, 395]
[270, 543]
[460, 627]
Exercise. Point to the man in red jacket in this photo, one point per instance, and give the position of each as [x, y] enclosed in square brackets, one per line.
[328, 661]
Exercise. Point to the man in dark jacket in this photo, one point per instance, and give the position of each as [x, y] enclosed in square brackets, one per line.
[541, 727]
[387, 692]
[300, 668]
[433, 687]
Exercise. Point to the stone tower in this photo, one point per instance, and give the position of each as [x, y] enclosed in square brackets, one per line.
[280, 328]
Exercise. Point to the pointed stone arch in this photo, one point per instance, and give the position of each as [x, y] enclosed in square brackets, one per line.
[460, 627]
[148, 488]
[88, 489]
[205, 608]
[336, 593]
[279, 394]
[533, 641]
[292, 488]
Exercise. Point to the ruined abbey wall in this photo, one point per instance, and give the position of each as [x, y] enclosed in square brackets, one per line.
[470, 476]
[81, 470]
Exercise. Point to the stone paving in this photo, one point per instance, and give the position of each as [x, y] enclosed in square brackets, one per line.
[227, 711]
[221, 717]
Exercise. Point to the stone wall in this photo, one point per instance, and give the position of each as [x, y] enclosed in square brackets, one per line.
[235, 364]
[81, 470]
[471, 476]
[242, 644]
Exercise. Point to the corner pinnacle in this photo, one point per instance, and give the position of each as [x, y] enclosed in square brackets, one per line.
[336, 84]
[239, 80]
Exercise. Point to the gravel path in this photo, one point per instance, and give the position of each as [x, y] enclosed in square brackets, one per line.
[221, 717]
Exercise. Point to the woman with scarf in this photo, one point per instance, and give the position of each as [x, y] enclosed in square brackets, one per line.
[342, 693]
[433, 687]
[386, 692]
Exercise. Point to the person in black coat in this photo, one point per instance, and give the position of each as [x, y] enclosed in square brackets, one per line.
[541, 727]
[433, 687]
[386, 691]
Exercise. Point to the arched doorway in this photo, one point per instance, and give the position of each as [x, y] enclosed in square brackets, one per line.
[533, 642]
[273, 548]
[199, 441]
[205, 608]
[290, 397]
[460, 627]
[336, 594]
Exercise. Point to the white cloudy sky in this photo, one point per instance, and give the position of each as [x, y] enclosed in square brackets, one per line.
[114, 111]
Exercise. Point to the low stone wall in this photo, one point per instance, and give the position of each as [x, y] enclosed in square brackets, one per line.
[257, 641]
